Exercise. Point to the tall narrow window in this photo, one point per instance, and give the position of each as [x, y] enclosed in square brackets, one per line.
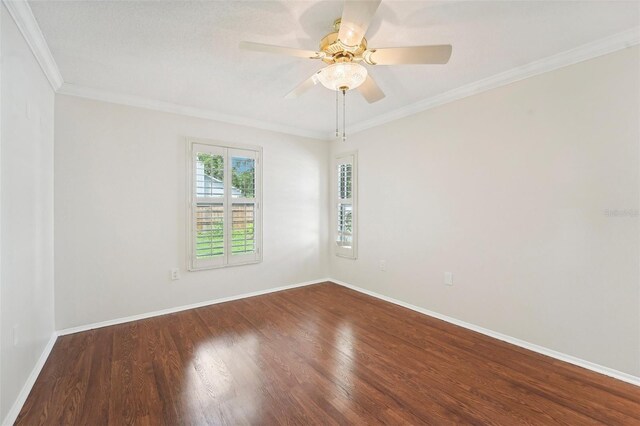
[224, 209]
[345, 172]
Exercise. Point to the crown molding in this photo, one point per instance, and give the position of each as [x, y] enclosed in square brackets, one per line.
[23, 16]
[28, 26]
[587, 51]
[141, 102]
[21, 13]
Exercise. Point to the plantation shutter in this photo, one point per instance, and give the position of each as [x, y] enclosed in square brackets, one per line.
[241, 225]
[225, 207]
[345, 205]
[208, 206]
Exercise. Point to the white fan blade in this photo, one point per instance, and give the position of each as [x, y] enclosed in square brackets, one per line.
[268, 48]
[370, 90]
[303, 87]
[356, 17]
[437, 54]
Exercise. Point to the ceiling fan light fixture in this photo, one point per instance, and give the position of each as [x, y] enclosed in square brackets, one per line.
[342, 76]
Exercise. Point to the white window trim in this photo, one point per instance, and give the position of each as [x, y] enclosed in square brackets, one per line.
[226, 260]
[345, 158]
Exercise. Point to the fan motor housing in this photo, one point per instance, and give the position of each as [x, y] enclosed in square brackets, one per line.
[338, 52]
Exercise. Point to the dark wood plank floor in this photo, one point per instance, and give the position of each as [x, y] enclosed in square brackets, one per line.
[321, 354]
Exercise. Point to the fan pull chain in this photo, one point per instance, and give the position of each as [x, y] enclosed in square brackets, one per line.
[337, 131]
[344, 116]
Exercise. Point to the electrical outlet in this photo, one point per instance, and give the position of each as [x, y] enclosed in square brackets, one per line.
[175, 274]
[448, 278]
[383, 265]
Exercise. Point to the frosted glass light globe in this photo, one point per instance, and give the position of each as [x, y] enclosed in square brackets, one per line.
[348, 75]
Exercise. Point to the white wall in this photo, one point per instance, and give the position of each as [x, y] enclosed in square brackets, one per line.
[508, 190]
[26, 216]
[120, 212]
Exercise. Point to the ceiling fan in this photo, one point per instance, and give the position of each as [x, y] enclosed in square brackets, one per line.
[346, 48]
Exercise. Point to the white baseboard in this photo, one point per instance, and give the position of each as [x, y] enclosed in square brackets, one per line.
[183, 308]
[625, 377]
[24, 393]
[12, 415]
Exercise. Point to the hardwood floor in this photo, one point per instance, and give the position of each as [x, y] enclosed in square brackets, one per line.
[321, 354]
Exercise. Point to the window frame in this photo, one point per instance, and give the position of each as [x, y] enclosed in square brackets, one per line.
[340, 159]
[227, 150]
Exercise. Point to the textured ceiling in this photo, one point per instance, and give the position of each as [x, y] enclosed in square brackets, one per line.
[187, 52]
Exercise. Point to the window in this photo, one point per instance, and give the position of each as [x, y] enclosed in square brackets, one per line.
[345, 213]
[224, 207]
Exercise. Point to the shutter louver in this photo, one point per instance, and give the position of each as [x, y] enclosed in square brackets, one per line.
[345, 225]
[243, 237]
[209, 230]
